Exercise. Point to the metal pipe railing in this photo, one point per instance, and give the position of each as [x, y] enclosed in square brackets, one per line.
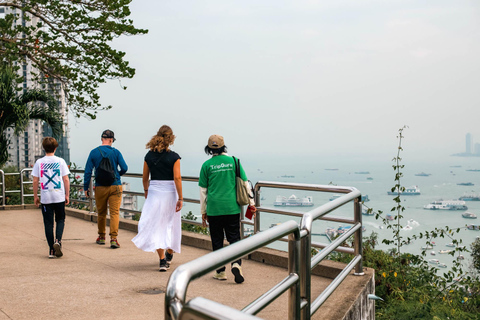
[3, 188]
[175, 295]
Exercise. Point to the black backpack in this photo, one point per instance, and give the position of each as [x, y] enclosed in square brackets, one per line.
[105, 174]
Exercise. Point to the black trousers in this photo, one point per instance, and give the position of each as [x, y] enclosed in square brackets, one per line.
[221, 227]
[49, 211]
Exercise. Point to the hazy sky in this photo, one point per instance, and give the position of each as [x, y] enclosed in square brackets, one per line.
[312, 78]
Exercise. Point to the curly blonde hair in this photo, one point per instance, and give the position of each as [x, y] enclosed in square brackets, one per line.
[162, 140]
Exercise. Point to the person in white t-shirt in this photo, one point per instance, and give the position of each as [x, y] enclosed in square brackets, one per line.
[51, 172]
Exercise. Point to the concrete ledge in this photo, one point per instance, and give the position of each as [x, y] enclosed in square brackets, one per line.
[18, 207]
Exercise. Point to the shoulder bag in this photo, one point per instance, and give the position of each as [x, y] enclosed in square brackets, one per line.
[243, 194]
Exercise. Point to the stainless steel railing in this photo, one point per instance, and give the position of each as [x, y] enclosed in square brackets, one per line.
[300, 303]
[175, 296]
[23, 182]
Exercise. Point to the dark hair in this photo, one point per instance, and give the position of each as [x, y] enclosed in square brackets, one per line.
[49, 144]
[211, 151]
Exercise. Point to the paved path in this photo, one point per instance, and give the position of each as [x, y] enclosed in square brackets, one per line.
[96, 282]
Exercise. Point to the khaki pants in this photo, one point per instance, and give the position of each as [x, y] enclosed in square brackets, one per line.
[111, 195]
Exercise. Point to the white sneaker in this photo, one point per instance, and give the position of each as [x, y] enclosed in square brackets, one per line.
[237, 272]
[220, 275]
[57, 246]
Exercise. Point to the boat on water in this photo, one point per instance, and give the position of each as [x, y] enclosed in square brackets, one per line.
[432, 253]
[451, 245]
[474, 170]
[423, 174]
[470, 197]
[410, 191]
[446, 205]
[390, 217]
[473, 227]
[434, 261]
[293, 201]
[362, 172]
[427, 247]
[469, 215]
[369, 178]
[287, 176]
[408, 227]
[465, 184]
[331, 169]
[442, 265]
[444, 251]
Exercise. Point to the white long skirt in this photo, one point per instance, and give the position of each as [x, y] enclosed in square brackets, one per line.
[160, 227]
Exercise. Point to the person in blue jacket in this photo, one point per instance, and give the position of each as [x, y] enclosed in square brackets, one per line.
[106, 194]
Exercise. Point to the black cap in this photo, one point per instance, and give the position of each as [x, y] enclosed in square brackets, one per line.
[108, 134]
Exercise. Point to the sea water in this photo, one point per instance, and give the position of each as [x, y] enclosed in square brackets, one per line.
[442, 183]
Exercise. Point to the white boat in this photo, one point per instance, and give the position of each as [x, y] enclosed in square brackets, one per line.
[460, 257]
[432, 253]
[427, 247]
[434, 261]
[446, 205]
[442, 265]
[444, 251]
[293, 201]
[407, 227]
[410, 191]
[451, 244]
[469, 215]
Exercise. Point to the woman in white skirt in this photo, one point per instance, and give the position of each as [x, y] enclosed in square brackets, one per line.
[160, 226]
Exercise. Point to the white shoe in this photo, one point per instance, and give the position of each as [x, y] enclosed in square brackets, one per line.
[220, 275]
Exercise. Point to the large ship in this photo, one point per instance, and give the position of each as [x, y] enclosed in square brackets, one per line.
[446, 205]
[410, 191]
[293, 201]
[470, 197]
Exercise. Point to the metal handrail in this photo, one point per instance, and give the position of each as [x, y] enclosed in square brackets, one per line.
[3, 188]
[176, 292]
[308, 263]
[22, 183]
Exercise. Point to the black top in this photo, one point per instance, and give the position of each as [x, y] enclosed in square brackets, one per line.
[161, 164]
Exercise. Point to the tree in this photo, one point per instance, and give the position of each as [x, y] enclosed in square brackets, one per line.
[68, 40]
[475, 246]
[17, 109]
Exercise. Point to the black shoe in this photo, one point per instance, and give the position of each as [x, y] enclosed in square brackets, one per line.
[168, 256]
[164, 265]
[51, 254]
[57, 246]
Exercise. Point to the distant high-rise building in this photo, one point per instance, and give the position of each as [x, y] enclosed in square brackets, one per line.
[26, 148]
[468, 140]
[476, 148]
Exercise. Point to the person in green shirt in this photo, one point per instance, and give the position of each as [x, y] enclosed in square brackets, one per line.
[218, 201]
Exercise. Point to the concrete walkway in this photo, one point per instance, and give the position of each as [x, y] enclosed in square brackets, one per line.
[96, 282]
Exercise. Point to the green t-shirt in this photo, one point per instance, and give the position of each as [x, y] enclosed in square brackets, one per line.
[218, 177]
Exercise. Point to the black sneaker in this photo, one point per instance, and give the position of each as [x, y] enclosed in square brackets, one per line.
[164, 265]
[57, 246]
[168, 256]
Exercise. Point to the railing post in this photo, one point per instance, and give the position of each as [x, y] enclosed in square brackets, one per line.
[294, 297]
[256, 221]
[21, 187]
[306, 265]
[90, 199]
[358, 245]
[3, 188]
